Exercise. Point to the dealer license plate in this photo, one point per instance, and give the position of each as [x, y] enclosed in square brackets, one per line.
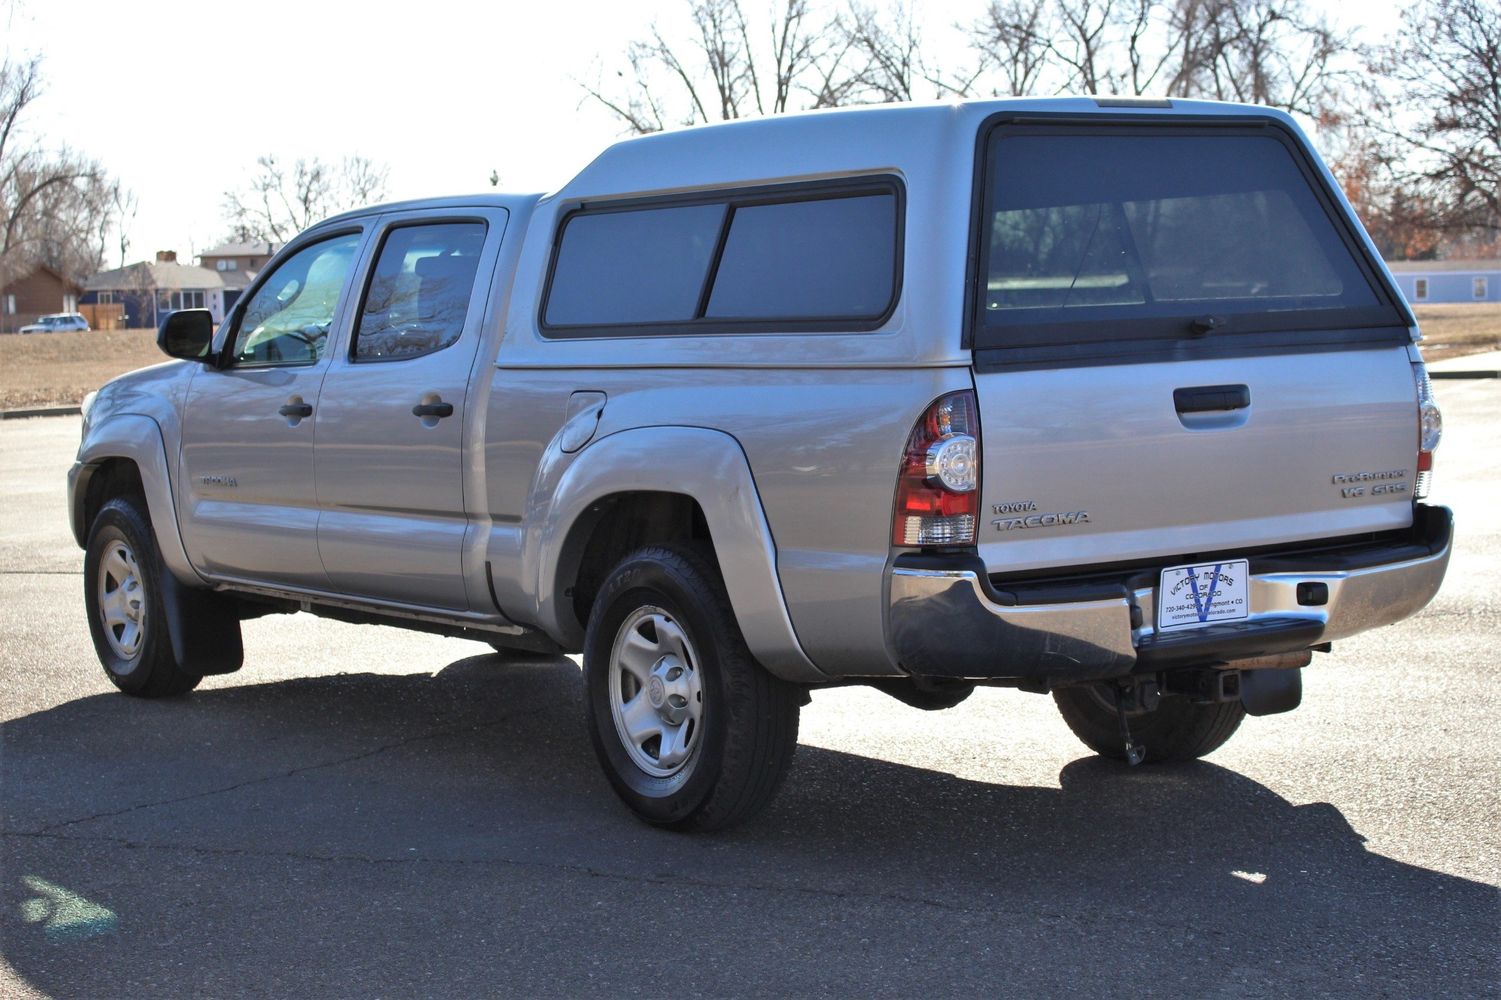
[1193, 596]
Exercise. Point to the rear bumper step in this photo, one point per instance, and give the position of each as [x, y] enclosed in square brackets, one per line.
[945, 620]
[1229, 641]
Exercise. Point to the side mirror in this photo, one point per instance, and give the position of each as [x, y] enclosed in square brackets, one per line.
[187, 334]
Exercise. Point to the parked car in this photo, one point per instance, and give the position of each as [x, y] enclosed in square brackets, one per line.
[56, 322]
[1110, 400]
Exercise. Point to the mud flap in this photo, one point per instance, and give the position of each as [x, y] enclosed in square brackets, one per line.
[1268, 692]
[204, 628]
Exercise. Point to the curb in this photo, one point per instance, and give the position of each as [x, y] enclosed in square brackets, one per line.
[1465, 374]
[41, 411]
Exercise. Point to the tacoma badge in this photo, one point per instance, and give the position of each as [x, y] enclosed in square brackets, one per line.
[1041, 520]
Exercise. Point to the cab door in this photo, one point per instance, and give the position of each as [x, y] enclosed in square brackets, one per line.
[391, 418]
[250, 510]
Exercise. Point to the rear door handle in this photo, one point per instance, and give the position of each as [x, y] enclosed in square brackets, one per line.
[300, 411]
[1208, 398]
[438, 410]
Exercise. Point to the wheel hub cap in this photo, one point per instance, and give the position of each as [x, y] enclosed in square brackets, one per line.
[122, 600]
[656, 693]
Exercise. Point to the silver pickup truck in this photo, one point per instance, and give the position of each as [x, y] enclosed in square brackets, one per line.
[1106, 399]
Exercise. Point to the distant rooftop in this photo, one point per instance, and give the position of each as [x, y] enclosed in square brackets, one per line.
[1475, 265]
[242, 250]
[160, 275]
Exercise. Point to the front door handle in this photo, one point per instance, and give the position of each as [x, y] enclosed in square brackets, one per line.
[438, 409]
[299, 411]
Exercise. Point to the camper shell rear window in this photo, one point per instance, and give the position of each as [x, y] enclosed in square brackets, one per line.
[1098, 233]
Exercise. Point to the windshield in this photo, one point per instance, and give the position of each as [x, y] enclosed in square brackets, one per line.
[1105, 233]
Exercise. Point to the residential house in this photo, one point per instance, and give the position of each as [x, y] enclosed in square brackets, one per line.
[150, 290]
[1425, 281]
[36, 291]
[237, 264]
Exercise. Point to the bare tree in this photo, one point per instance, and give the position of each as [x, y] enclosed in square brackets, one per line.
[888, 52]
[725, 65]
[1399, 220]
[888, 62]
[278, 203]
[71, 226]
[1275, 52]
[1084, 44]
[126, 207]
[54, 203]
[1436, 107]
[1014, 42]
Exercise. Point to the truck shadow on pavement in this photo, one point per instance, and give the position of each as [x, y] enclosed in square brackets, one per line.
[451, 834]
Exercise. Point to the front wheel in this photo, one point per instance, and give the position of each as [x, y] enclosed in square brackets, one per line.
[1178, 729]
[126, 606]
[691, 731]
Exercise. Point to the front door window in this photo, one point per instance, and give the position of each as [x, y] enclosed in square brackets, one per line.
[286, 321]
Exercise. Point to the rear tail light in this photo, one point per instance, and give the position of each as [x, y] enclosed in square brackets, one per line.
[938, 489]
[1430, 430]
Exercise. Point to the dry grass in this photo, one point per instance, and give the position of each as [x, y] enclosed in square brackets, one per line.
[45, 369]
[60, 368]
[1454, 329]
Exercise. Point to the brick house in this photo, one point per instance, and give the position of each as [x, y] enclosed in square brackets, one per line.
[38, 291]
[150, 290]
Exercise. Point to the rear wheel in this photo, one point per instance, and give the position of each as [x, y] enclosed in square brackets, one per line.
[126, 607]
[1177, 729]
[690, 730]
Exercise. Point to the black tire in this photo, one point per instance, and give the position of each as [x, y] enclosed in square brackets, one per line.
[141, 663]
[1178, 729]
[742, 739]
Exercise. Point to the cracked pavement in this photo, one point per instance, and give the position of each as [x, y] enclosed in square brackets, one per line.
[367, 812]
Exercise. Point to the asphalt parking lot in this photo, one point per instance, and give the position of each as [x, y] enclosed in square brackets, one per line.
[367, 812]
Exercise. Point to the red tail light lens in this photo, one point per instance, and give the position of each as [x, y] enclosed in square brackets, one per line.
[938, 487]
[1430, 430]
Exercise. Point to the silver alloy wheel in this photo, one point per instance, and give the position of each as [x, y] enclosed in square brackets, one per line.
[656, 692]
[122, 600]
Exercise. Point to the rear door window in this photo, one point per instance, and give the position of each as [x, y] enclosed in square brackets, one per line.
[419, 291]
[1110, 233]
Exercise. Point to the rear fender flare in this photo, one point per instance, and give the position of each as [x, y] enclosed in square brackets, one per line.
[706, 465]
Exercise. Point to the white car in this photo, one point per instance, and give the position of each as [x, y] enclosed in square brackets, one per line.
[57, 322]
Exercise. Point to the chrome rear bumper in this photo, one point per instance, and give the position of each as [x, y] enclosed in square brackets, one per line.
[948, 622]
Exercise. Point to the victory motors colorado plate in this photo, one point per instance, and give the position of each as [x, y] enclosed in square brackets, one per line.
[1190, 596]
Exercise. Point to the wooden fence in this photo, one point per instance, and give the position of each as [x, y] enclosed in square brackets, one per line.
[105, 315]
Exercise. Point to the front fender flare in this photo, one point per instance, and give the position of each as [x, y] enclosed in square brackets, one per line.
[137, 438]
[708, 466]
